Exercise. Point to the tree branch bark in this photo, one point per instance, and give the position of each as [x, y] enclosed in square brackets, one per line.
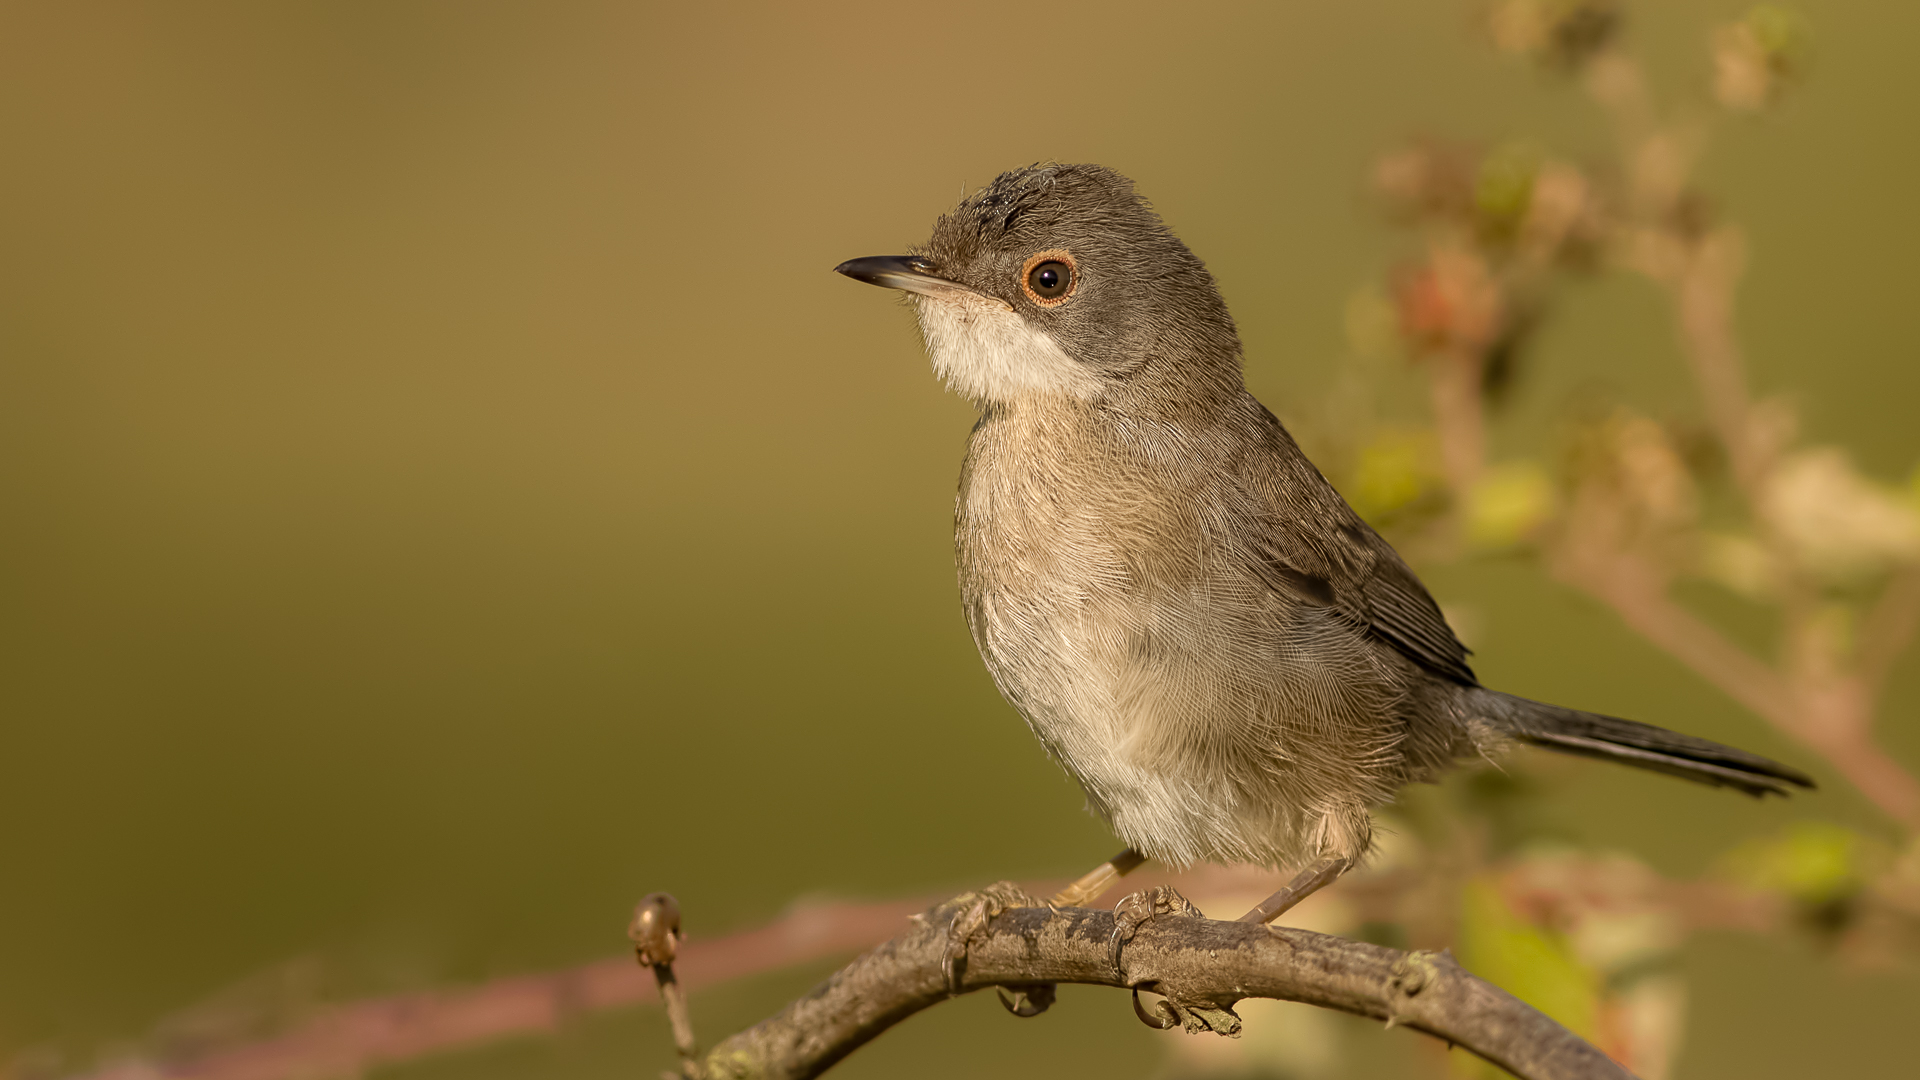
[1202, 966]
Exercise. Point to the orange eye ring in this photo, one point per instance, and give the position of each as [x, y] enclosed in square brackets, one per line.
[1049, 277]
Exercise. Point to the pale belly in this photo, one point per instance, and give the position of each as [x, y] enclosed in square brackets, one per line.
[1219, 722]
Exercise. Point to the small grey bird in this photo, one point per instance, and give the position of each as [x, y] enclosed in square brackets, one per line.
[1233, 664]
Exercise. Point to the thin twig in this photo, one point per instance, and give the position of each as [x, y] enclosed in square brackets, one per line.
[1703, 306]
[655, 932]
[1889, 628]
[1633, 590]
[1830, 717]
[1459, 418]
[680, 1019]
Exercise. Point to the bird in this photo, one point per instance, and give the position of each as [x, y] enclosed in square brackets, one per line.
[1230, 661]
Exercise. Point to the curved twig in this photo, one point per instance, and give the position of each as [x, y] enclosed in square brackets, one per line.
[1202, 966]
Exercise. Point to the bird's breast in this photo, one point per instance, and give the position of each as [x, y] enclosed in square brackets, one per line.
[1104, 594]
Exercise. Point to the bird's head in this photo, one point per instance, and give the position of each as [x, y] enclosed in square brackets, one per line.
[1060, 280]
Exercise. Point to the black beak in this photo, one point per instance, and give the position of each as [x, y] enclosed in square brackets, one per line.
[909, 272]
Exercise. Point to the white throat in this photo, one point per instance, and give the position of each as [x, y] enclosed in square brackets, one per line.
[984, 351]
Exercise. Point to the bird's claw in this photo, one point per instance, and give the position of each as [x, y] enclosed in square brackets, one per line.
[1031, 999]
[1193, 1017]
[1136, 911]
[1141, 908]
[974, 911]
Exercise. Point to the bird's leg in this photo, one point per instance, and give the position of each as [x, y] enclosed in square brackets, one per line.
[1304, 884]
[1098, 880]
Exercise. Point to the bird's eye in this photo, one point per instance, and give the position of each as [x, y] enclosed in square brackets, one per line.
[1049, 278]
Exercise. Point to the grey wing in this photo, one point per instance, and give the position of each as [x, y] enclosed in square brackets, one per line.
[1400, 610]
[1357, 572]
[1316, 549]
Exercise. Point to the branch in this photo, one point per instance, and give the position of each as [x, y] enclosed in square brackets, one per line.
[351, 1038]
[1827, 711]
[1703, 301]
[1459, 418]
[1888, 628]
[1202, 966]
[1635, 592]
[1830, 717]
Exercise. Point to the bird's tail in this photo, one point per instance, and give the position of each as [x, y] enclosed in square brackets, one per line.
[1642, 745]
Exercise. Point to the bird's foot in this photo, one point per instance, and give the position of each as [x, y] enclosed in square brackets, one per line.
[974, 912]
[1136, 911]
[1141, 908]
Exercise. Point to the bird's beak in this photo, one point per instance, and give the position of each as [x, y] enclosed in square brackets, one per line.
[911, 273]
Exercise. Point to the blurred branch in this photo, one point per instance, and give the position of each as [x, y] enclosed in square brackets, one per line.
[348, 1040]
[1498, 227]
[1202, 967]
[1830, 715]
[1827, 710]
[1703, 294]
[1636, 593]
[1459, 415]
[351, 1038]
[1889, 629]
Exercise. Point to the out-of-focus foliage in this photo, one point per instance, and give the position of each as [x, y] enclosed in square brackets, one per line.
[1759, 56]
[1836, 525]
[1622, 505]
[1534, 963]
[1395, 474]
[1813, 863]
[1565, 33]
[1509, 504]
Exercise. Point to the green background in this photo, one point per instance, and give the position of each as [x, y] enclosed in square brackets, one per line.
[447, 495]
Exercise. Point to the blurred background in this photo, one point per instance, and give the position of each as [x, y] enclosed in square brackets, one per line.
[448, 495]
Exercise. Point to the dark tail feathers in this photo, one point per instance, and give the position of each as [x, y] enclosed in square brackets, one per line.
[1643, 745]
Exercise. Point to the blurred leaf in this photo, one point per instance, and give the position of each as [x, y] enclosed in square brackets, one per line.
[1758, 56]
[1738, 562]
[1813, 862]
[1627, 465]
[1535, 965]
[1398, 468]
[1839, 524]
[1564, 33]
[1781, 33]
[1508, 801]
[1508, 504]
[1503, 190]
